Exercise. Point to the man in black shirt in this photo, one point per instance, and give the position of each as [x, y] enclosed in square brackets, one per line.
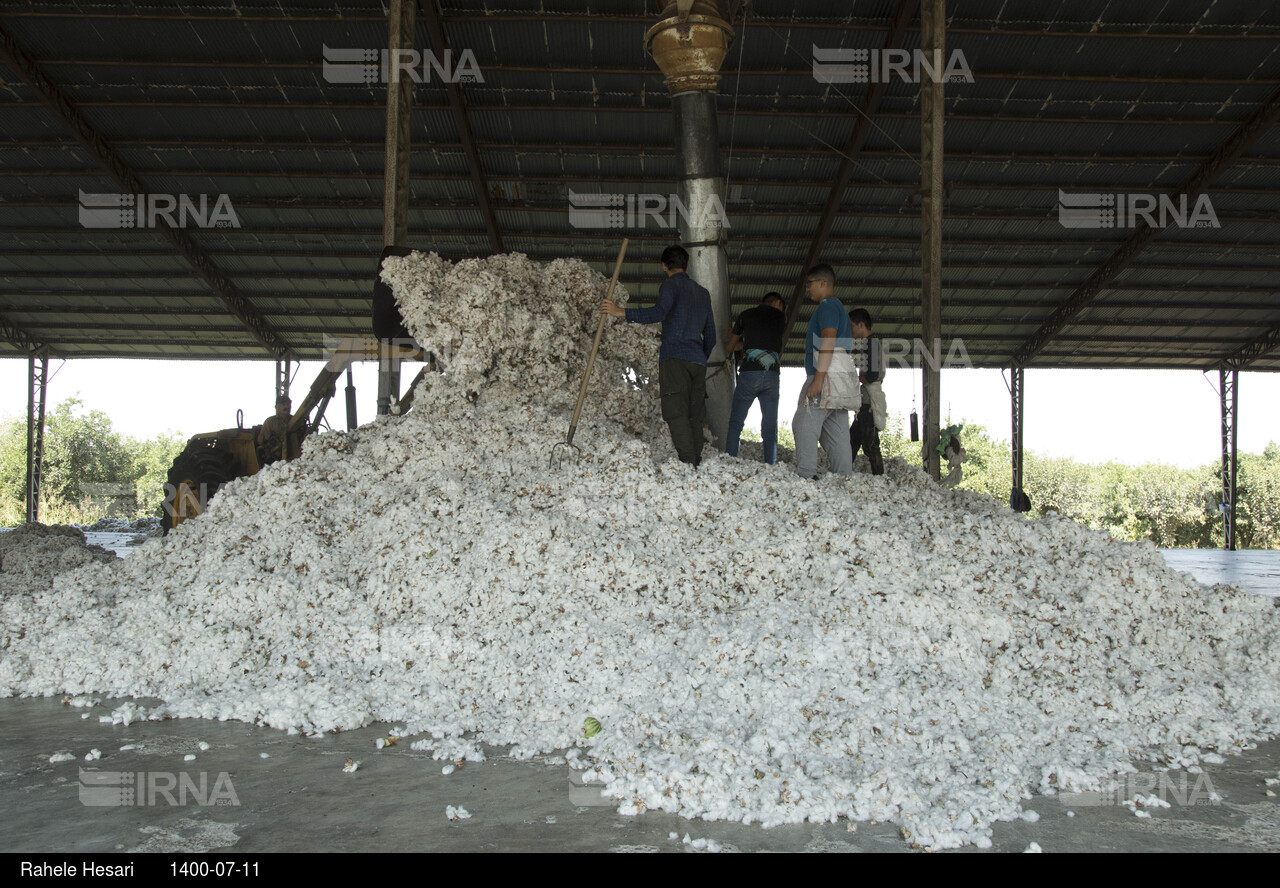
[759, 331]
[865, 431]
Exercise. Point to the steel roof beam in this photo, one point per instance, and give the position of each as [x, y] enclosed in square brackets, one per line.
[19, 336]
[1249, 132]
[332, 253]
[651, 181]
[151, 274]
[184, 145]
[582, 235]
[1049, 215]
[52, 97]
[771, 113]
[1106, 301]
[1252, 351]
[457, 105]
[1086, 31]
[807, 72]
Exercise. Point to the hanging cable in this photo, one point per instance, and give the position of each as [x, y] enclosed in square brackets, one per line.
[870, 120]
[55, 372]
[1205, 374]
[737, 84]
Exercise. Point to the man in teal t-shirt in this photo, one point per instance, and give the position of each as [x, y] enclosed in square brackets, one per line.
[829, 329]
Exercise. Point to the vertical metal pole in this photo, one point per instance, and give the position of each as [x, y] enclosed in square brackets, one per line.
[1227, 382]
[37, 379]
[1017, 393]
[284, 373]
[701, 191]
[395, 196]
[689, 48]
[933, 42]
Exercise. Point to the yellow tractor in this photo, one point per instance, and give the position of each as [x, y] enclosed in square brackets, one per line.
[212, 459]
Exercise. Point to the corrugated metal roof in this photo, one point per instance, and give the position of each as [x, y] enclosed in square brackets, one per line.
[232, 98]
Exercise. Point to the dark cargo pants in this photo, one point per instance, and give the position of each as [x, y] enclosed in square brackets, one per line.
[683, 386]
[863, 434]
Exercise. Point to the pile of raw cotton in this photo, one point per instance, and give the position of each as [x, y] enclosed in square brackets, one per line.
[517, 329]
[31, 555]
[753, 647]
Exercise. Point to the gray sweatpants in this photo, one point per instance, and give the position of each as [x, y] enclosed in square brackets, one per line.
[810, 426]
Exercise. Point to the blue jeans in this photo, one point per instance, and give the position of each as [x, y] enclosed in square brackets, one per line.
[753, 384]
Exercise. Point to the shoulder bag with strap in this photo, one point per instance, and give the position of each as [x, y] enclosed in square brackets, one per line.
[840, 389]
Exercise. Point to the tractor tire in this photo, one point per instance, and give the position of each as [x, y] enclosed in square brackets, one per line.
[200, 464]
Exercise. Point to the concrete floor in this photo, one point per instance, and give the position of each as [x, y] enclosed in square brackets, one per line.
[299, 799]
[1251, 570]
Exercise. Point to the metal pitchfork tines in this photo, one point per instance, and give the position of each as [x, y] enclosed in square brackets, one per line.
[566, 450]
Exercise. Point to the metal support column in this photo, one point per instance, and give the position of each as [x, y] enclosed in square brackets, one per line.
[701, 190]
[37, 387]
[933, 42]
[1017, 393]
[395, 200]
[689, 44]
[1228, 380]
[284, 375]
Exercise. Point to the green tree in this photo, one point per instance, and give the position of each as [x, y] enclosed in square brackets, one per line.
[1258, 500]
[151, 461]
[896, 443]
[81, 447]
[87, 468]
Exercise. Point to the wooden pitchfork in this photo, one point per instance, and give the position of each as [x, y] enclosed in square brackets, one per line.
[566, 450]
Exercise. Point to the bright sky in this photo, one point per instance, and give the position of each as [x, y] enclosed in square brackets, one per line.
[1132, 416]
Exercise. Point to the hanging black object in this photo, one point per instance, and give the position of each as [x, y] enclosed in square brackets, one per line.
[915, 425]
[388, 325]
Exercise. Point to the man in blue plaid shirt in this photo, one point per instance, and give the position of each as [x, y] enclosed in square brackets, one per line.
[688, 336]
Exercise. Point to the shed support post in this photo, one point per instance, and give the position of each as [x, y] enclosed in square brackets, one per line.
[690, 50]
[37, 387]
[284, 374]
[395, 174]
[1017, 393]
[933, 41]
[1228, 381]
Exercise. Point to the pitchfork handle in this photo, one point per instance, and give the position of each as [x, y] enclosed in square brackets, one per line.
[595, 346]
